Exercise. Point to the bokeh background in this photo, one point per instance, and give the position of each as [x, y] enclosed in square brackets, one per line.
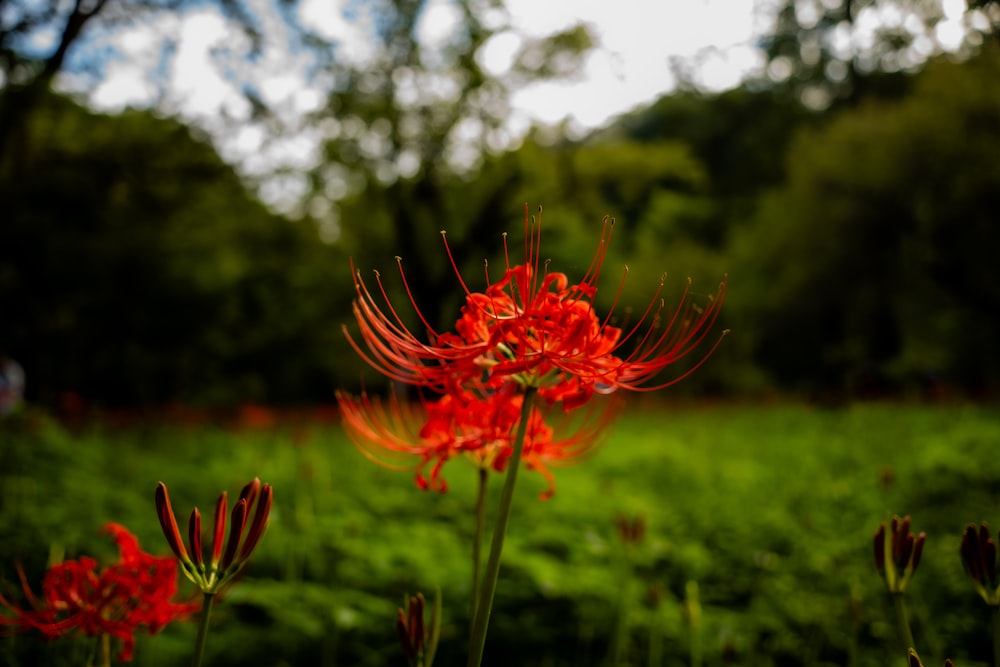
[185, 186]
[846, 181]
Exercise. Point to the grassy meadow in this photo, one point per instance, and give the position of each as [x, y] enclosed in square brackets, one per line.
[757, 549]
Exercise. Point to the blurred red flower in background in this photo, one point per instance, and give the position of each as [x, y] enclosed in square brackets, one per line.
[403, 435]
[135, 593]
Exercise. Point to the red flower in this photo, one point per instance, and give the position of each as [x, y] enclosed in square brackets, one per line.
[134, 593]
[535, 328]
[213, 575]
[403, 436]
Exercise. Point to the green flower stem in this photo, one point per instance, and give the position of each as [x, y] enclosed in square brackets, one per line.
[621, 638]
[477, 640]
[656, 638]
[692, 607]
[996, 636]
[206, 615]
[95, 652]
[903, 622]
[477, 545]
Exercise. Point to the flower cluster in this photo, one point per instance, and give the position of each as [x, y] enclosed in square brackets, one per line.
[463, 423]
[530, 332]
[135, 593]
[537, 329]
[213, 575]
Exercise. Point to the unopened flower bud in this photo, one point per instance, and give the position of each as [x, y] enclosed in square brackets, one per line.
[897, 553]
[979, 558]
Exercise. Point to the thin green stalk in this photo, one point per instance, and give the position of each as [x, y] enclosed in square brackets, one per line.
[692, 603]
[621, 638]
[477, 545]
[996, 636]
[903, 622]
[477, 639]
[95, 651]
[206, 615]
[656, 637]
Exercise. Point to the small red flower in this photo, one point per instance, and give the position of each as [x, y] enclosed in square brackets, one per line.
[133, 594]
[534, 328]
[403, 436]
[226, 563]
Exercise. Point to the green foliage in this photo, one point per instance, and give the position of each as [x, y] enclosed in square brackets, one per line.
[135, 268]
[873, 264]
[770, 510]
[738, 135]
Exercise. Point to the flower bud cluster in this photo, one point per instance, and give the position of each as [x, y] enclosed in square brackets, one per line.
[897, 553]
[228, 556]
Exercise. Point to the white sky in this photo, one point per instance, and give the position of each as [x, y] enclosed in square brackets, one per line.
[637, 39]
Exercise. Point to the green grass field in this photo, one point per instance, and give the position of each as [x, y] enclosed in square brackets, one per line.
[769, 509]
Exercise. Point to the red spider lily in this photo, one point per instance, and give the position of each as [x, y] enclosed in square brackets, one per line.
[537, 329]
[397, 352]
[134, 593]
[225, 564]
[405, 436]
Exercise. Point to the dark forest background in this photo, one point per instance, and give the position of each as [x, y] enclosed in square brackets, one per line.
[853, 201]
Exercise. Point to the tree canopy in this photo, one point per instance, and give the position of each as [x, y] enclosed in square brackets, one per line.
[137, 266]
[872, 263]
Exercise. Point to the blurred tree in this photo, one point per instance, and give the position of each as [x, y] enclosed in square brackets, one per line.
[823, 51]
[739, 137]
[135, 269]
[409, 81]
[24, 26]
[873, 265]
[27, 70]
[411, 115]
[414, 122]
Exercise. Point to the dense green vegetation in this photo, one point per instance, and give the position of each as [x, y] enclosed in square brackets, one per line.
[137, 269]
[769, 508]
[850, 196]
